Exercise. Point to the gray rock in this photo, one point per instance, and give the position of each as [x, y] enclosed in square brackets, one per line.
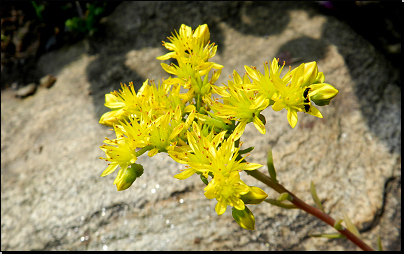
[47, 81]
[26, 91]
[53, 197]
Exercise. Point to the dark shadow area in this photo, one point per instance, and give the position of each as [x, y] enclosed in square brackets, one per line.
[379, 22]
[264, 18]
[373, 75]
[138, 25]
[303, 49]
[105, 74]
[31, 29]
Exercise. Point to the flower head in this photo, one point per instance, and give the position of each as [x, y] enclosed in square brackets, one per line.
[291, 96]
[240, 103]
[227, 191]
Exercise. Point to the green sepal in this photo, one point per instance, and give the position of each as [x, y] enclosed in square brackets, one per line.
[379, 244]
[246, 150]
[284, 204]
[244, 218]
[204, 179]
[315, 197]
[270, 165]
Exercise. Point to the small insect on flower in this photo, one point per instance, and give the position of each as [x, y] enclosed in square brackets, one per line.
[306, 99]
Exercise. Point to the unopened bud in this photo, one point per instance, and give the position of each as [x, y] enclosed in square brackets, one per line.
[202, 34]
[245, 218]
[254, 196]
[112, 117]
[322, 94]
[310, 73]
[127, 177]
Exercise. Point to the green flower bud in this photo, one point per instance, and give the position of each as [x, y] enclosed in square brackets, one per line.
[322, 94]
[245, 218]
[128, 176]
[254, 196]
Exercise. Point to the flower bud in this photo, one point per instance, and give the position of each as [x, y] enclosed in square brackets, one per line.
[113, 102]
[128, 176]
[254, 196]
[320, 78]
[310, 73]
[202, 34]
[322, 94]
[245, 218]
[111, 117]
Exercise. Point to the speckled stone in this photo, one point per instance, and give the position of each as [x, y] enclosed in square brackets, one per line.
[53, 197]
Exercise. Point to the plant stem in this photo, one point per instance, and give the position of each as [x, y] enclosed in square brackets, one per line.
[309, 209]
[143, 150]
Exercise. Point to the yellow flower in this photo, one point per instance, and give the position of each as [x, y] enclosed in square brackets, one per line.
[124, 103]
[262, 82]
[192, 51]
[122, 150]
[123, 155]
[204, 154]
[291, 95]
[227, 191]
[184, 43]
[165, 131]
[240, 104]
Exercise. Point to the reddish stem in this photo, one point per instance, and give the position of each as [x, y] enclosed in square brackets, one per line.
[309, 209]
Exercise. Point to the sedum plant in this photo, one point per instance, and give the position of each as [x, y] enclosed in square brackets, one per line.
[199, 123]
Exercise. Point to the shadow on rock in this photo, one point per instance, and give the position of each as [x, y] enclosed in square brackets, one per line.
[377, 83]
[105, 74]
[303, 49]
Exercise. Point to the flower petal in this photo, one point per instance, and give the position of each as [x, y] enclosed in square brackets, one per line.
[292, 117]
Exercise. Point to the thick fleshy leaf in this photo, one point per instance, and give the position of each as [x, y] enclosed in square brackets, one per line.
[315, 197]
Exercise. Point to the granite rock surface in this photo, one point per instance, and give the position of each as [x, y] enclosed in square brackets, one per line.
[52, 195]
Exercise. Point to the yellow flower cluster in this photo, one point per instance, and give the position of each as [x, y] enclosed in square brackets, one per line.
[202, 132]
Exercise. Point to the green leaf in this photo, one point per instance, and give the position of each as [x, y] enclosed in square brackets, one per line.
[315, 197]
[338, 225]
[379, 244]
[351, 227]
[204, 179]
[285, 196]
[330, 235]
[270, 164]
[284, 204]
[246, 150]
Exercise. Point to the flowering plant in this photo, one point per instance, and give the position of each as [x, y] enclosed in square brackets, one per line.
[200, 124]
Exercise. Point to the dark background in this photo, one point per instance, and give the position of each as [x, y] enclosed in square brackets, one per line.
[30, 29]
